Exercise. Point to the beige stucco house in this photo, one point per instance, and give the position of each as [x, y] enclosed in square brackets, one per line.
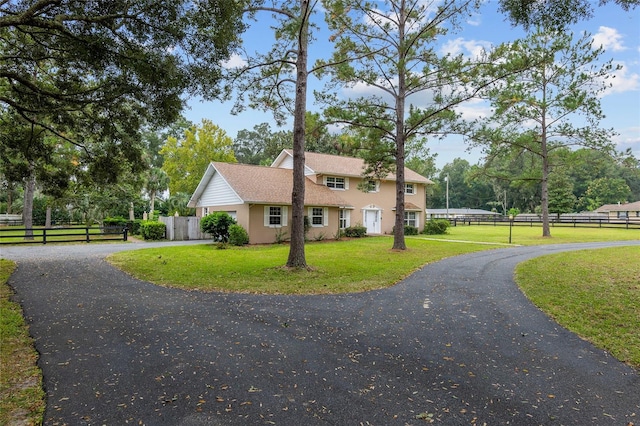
[259, 197]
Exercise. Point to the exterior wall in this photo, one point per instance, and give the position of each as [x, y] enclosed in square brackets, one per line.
[251, 218]
[384, 200]
[327, 232]
[261, 234]
[241, 212]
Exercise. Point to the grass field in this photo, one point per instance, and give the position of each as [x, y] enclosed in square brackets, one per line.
[526, 235]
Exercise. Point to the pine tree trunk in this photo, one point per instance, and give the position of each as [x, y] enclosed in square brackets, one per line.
[27, 208]
[544, 152]
[296, 249]
[398, 230]
[546, 229]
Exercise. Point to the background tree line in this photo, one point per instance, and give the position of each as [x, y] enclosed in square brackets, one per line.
[580, 180]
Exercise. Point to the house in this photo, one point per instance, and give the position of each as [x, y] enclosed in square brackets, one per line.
[259, 197]
[625, 211]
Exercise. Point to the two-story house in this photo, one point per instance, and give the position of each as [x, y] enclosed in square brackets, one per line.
[259, 197]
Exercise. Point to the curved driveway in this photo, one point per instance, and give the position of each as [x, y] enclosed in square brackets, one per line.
[455, 343]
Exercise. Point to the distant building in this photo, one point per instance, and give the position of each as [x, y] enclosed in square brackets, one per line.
[461, 213]
[620, 211]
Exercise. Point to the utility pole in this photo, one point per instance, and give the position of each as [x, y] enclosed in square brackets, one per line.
[446, 179]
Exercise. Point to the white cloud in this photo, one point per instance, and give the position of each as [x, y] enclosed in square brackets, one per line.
[609, 38]
[472, 48]
[235, 61]
[474, 109]
[623, 81]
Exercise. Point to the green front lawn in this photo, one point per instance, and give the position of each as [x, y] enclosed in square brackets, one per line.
[336, 266]
[594, 293]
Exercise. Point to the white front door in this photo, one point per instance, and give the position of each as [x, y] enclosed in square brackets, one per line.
[372, 221]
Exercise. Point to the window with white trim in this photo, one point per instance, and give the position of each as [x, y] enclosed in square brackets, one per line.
[372, 186]
[318, 216]
[205, 211]
[409, 189]
[345, 218]
[411, 219]
[335, 182]
[275, 216]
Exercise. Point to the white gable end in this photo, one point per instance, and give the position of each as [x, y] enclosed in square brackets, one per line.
[285, 161]
[218, 193]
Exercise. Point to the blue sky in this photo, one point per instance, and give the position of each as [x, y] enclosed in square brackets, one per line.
[617, 31]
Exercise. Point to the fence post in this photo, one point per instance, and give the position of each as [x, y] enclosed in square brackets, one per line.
[87, 233]
[44, 235]
[125, 233]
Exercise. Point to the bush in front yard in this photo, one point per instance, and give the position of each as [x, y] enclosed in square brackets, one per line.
[355, 231]
[152, 230]
[238, 235]
[408, 230]
[436, 227]
[217, 224]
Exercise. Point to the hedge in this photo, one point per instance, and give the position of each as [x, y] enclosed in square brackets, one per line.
[152, 230]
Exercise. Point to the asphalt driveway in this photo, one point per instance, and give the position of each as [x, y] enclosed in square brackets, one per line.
[455, 343]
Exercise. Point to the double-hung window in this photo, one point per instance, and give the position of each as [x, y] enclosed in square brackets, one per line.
[409, 189]
[345, 218]
[335, 182]
[275, 216]
[411, 219]
[318, 216]
[371, 186]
